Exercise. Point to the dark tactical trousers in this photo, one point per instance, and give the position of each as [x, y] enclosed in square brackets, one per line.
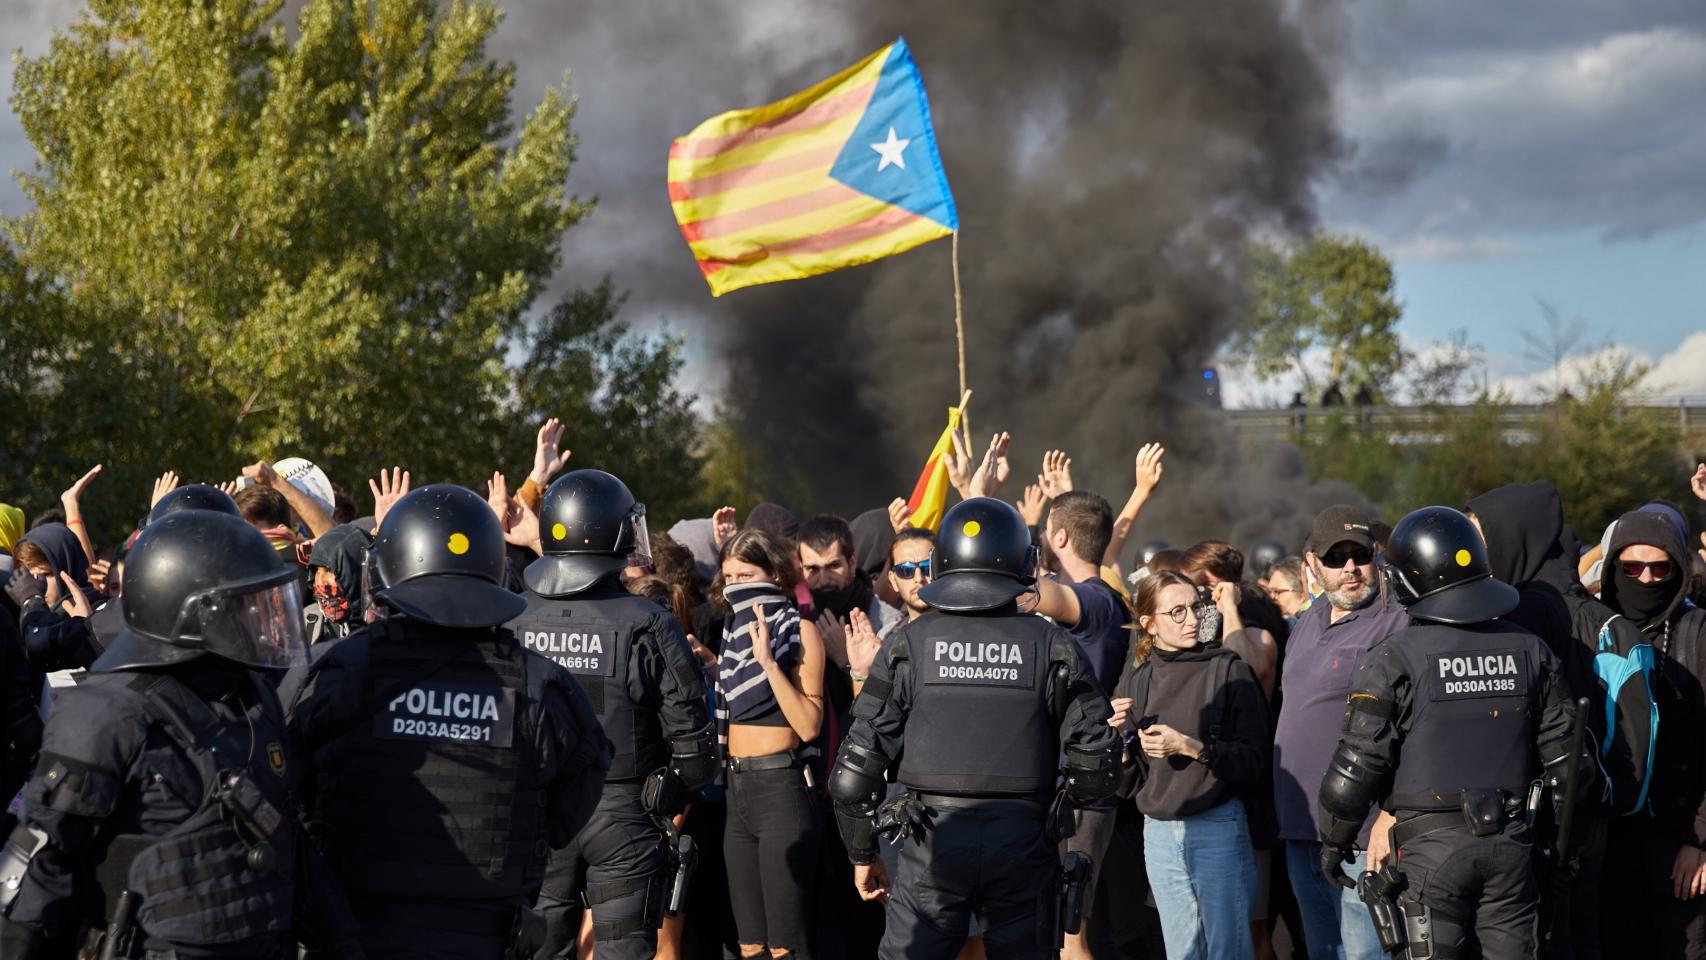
[990, 858]
[618, 861]
[1480, 890]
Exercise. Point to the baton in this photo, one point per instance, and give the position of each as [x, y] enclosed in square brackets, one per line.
[1567, 816]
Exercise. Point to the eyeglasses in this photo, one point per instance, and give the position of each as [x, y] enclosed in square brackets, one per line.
[1177, 614]
[1335, 559]
[1274, 593]
[1634, 568]
[906, 571]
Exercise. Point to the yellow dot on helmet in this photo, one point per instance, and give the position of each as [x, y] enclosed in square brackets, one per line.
[458, 543]
[972, 528]
[558, 531]
[1463, 558]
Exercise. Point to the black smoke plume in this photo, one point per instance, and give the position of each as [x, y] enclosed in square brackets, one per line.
[1110, 160]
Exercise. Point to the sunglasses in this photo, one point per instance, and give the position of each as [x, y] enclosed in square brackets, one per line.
[1634, 568]
[906, 571]
[1335, 559]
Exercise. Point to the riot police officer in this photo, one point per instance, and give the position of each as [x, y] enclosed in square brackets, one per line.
[444, 757]
[193, 496]
[1449, 724]
[976, 701]
[159, 816]
[645, 683]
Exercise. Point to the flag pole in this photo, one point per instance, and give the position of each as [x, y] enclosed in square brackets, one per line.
[960, 338]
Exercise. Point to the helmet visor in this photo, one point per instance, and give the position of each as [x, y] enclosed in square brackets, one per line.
[641, 555]
[261, 627]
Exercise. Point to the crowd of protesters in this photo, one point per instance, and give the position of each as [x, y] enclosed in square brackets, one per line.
[1212, 848]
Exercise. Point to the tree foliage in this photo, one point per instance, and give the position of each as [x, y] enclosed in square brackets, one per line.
[1605, 453]
[1334, 297]
[243, 246]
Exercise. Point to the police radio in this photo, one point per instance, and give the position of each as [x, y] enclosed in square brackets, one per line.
[250, 808]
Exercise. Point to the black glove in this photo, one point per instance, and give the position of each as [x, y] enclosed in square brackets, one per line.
[25, 586]
[1333, 860]
[902, 818]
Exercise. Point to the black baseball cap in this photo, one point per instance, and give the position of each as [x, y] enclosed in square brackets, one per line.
[1341, 523]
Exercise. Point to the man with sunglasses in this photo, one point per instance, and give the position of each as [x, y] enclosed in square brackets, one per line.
[1352, 615]
[1661, 908]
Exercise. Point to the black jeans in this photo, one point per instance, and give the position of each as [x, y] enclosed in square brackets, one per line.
[770, 846]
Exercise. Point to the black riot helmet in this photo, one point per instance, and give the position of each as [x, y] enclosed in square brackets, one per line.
[439, 559]
[1262, 558]
[201, 582]
[194, 496]
[590, 526]
[983, 559]
[1437, 564]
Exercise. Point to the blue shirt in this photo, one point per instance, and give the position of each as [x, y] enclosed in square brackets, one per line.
[1320, 660]
[1102, 633]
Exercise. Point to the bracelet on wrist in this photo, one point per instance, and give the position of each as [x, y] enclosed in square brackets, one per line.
[856, 675]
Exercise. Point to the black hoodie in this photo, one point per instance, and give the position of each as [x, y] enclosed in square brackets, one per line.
[54, 640]
[1531, 548]
[1678, 631]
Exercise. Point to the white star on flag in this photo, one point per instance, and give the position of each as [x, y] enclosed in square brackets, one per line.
[890, 150]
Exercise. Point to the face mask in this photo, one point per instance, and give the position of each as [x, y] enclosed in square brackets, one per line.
[332, 601]
[839, 600]
[1643, 603]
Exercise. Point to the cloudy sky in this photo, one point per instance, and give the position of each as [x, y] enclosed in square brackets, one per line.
[1500, 154]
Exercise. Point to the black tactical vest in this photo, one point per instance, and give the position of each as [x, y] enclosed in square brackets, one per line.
[202, 882]
[593, 637]
[980, 723]
[1474, 710]
[435, 792]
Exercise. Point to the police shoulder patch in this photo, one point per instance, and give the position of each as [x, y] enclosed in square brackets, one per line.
[582, 645]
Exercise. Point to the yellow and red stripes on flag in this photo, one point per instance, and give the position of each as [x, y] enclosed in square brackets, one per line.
[929, 498]
[754, 195]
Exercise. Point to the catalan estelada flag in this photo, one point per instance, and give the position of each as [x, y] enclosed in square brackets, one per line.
[929, 498]
[838, 175]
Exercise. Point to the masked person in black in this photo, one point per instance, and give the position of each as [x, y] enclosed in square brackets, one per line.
[976, 702]
[1531, 548]
[1448, 723]
[445, 757]
[1656, 854]
[53, 638]
[631, 657]
[160, 814]
[335, 564]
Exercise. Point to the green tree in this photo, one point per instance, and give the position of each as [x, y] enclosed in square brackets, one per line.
[617, 393]
[243, 246]
[1332, 295]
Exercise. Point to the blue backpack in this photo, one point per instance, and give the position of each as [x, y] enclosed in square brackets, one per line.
[1631, 719]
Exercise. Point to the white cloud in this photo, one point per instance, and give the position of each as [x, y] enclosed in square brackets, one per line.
[1430, 247]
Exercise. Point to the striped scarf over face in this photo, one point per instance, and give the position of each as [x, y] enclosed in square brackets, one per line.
[743, 689]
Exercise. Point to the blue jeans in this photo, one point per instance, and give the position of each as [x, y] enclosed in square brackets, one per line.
[1336, 924]
[1203, 875]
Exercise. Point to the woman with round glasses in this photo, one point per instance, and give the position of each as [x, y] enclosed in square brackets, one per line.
[1196, 737]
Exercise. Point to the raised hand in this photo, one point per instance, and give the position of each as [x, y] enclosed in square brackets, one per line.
[900, 514]
[166, 483]
[1698, 482]
[262, 473]
[98, 573]
[863, 644]
[546, 459]
[73, 494]
[723, 526]
[1148, 469]
[497, 497]
[521, 526]
[1056, 477]
[76, 604]
[761, 639]
[958, 462]
[834, 637]
[387, 491]
[229, 487]
[994, 469]
[1034, 502]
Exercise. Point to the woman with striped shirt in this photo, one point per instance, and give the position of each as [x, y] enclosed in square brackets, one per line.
[770, 704]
